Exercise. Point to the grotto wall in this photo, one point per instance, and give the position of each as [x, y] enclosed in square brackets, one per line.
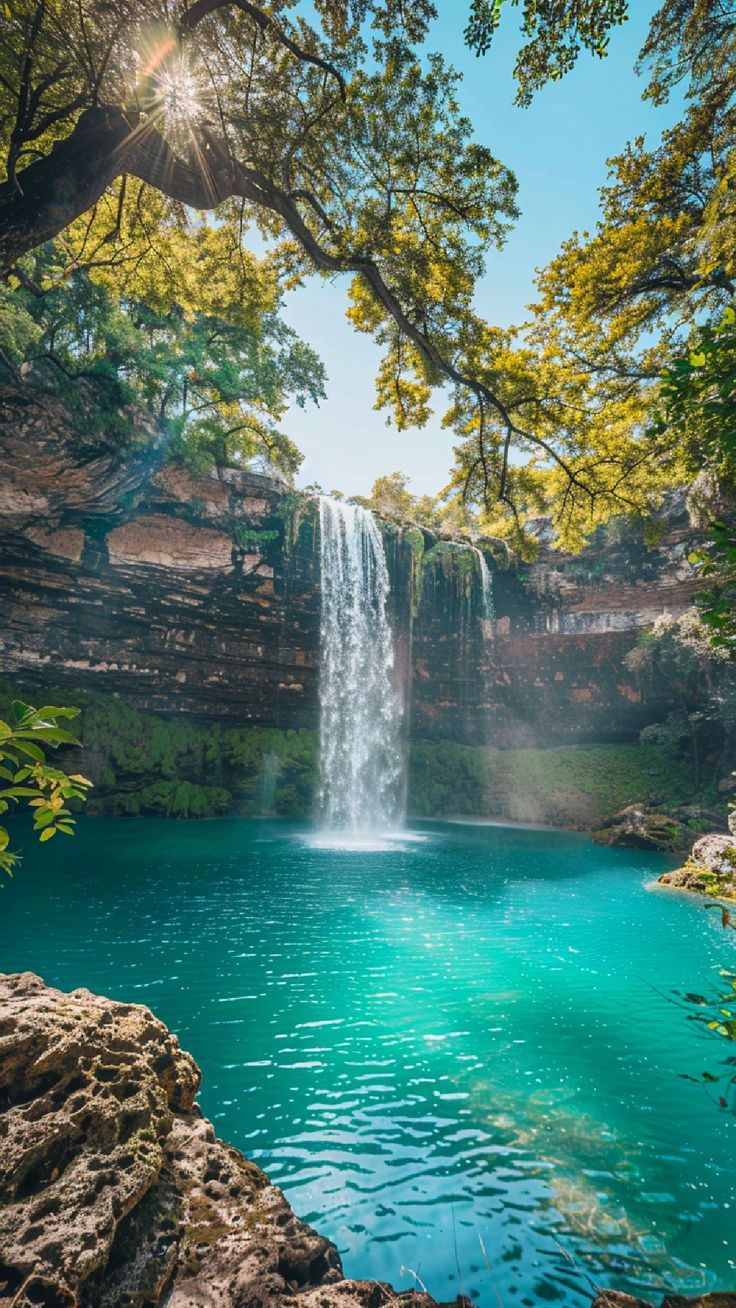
[119, 572]
[548, 670]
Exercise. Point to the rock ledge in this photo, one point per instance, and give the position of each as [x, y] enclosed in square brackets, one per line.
[115, 1192]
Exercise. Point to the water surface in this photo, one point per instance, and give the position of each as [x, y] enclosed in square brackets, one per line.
[456, 1054]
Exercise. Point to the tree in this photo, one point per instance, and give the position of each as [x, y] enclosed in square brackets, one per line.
[23, 766]
[214, 385]
[698, 406]
[618, 307]
[118, 117]
[354, 156]
[556, 32]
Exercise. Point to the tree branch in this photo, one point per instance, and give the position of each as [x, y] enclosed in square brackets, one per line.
[107, 143]
[201, 9]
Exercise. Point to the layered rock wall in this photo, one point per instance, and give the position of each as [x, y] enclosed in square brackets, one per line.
[118, 572]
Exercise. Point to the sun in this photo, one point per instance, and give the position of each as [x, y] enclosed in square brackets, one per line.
[169, 87]
[179, 92]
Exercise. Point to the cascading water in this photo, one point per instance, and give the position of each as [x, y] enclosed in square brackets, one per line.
[361, 708]
[486, 584]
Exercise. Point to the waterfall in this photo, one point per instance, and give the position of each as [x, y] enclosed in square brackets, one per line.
[360, 707]
[486, 583]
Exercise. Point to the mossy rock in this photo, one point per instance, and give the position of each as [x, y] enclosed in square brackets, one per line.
[638, 828]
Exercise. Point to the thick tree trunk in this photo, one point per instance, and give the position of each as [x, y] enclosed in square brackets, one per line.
[105, 143]
[51, 193]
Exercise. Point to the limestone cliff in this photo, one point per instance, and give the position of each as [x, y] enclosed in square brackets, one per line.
[118, 572]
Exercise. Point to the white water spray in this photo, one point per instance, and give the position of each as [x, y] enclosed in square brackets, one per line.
[486, 584]
[360, 706]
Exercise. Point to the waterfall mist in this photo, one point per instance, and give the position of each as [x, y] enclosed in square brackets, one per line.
[361, 709]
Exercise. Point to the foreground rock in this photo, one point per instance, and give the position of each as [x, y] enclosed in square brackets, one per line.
[711, 867]
[116, 1192]
[636, 827]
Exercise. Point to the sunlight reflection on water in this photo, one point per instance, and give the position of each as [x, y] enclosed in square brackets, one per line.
[451, 1037]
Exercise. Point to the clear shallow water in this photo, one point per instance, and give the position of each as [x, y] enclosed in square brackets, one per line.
[448, 1045]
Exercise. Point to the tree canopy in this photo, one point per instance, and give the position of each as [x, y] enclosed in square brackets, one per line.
[213, 385]
[341, 139]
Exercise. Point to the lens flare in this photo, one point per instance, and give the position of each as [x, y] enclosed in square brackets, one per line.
[179, 92]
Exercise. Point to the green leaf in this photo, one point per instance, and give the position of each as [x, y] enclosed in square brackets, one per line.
[49, 711]
[5, 730]
[55, 735]
[42, 818]
[31, 750]
[47, 834]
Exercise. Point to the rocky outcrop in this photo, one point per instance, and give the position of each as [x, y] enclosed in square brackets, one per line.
[715, 854]
[59, 466]
[181, 596]
[636, 827]
[116, 1192]
[711, 867]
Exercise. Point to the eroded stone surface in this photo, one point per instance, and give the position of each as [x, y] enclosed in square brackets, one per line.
[716, 854]
[636, 827]
[116, 1192]
[154, 538]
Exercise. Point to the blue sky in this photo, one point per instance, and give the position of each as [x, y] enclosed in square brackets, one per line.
[558, 149]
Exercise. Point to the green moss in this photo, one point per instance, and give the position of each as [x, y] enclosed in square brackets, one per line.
[457, 565]
[414, 538]
[298, 512]
[570, 785]
[146, 763]
[250, 538]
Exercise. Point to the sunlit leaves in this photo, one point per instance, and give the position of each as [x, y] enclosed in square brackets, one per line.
[47, 790]
[556, 31]
[213, 385]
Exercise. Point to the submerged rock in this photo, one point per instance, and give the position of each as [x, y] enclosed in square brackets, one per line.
[636, 827]
[116, 1192]
[613, 1299]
